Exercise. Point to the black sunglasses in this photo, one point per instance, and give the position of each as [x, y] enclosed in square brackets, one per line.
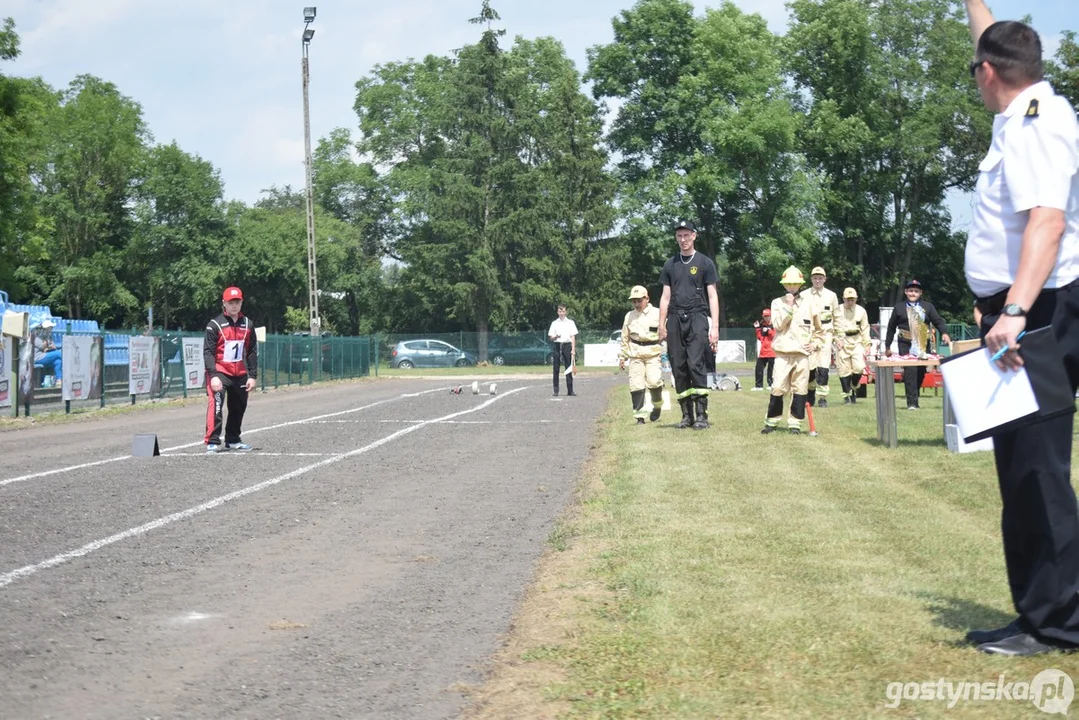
[974, 67]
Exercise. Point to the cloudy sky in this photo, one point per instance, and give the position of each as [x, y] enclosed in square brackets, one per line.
[223, 80]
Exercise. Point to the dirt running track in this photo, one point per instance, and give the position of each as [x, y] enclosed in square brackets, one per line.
[362, 562]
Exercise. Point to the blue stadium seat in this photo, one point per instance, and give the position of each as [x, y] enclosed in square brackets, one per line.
[115, 356]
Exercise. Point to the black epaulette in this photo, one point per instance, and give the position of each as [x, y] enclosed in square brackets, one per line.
[1032, 109]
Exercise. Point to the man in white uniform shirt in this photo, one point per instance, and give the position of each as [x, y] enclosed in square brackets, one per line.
[563, 335]
[1022, 263]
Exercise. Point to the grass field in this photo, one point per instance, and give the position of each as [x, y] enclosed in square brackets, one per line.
[726, 574]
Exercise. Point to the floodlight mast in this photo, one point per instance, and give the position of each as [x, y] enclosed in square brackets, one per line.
[312, 268]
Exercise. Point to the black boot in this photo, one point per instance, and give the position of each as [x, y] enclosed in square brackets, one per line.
[687, 413]
[637, 396]
[701, 402]
[657, 403]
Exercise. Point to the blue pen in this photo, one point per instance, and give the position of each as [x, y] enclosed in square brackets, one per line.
[1000, 353]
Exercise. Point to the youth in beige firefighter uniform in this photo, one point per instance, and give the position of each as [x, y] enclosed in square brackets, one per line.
[826, 304]
[641, 349]
[852, 332]
[799, 334]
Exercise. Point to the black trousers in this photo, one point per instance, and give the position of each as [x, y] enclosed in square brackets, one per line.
[687, 347]
[562, 355]
[1039, 518]
[912, 376]
[234, 392]
[758, 372]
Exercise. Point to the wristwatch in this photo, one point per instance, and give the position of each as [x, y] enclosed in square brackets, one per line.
[1013, 310]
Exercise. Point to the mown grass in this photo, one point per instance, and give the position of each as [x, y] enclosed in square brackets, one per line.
[729, 574]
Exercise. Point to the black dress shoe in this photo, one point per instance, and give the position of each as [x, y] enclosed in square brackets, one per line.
[1021, 645]
[981, 637]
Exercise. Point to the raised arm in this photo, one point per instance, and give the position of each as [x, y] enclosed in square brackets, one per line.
[980, 18]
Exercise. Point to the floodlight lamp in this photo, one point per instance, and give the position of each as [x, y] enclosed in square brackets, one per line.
[308, 34]
[308, 14]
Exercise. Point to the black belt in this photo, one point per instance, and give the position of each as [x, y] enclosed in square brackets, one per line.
[645, 342]
[562, 343]
[853, 332]
[993, 304]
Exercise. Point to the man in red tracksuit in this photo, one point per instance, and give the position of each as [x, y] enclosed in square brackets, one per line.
[231, 357]
[766, 358]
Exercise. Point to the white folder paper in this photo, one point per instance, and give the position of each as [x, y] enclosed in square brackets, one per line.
[983, 396]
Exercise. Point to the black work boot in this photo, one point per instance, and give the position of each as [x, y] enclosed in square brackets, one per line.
[687, 413]
[637, 397]
[845, 383]
[701, 403]
[657, 404]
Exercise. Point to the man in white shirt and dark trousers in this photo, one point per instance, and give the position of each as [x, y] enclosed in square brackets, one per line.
[563, 335]
[1022, 263]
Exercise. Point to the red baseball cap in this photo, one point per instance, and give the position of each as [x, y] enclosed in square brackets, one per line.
[232, 293]
[767, 311]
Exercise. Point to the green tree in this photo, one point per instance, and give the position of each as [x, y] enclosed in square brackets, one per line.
[24, 104]
[355, 194]
[179, 232]
[1063, 72]
[707, 130]
[893, 123]
[94, 155]
[267, 257]
[497, 173]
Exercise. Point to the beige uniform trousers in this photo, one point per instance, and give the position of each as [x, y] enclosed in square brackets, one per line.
[644, 373]
[820, 359]
[791, 377]
[850, 360]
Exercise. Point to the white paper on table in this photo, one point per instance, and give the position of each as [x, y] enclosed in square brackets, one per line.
[983, 396]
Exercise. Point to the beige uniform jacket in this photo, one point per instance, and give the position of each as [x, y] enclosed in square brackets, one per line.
[641, 326]
[852, 326]
[796, 326]
[827, 304]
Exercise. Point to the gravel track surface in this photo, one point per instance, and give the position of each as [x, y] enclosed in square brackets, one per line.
[363, 561]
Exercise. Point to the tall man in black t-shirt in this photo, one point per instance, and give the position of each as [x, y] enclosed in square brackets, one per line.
[689, 322]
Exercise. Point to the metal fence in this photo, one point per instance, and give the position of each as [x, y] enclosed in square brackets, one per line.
[301, 360]
[283, 360]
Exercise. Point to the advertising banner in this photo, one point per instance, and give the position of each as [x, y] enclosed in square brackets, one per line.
[731, 351]
[144, 354]
[7, 346]
[26, 372]
[194, 367]
[82, 367]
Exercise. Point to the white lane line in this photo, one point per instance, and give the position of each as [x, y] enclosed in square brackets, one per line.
[246, 453]
[446, 422]
[19, 573]
[70, 468]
